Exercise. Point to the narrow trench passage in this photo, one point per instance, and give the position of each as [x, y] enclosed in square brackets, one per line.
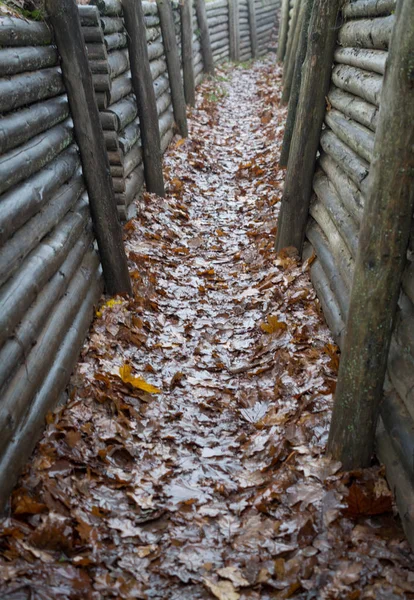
[189, 461]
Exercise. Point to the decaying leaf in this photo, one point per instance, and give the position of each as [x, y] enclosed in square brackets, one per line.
[137, 382]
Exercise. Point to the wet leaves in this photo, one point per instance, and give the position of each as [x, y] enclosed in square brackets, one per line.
[189, 462]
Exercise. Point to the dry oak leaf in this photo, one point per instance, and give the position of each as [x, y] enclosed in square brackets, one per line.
[223, 590]
[273, 325]
[137, 382]
[235, 576]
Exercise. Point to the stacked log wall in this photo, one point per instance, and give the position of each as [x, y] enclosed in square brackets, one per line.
[340, 185]
[50, 276]
[218, 24]
[267, 23]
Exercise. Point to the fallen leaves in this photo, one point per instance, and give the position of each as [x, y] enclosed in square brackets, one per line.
[125, 373]
[273, 325]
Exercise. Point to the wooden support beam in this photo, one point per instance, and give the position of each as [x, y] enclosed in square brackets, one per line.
[204, 37]
[283, 32]
[173, 64]
[296, 82]
[142, 85]
[187, 51]
[234, 33]
[64, 17]
[316, 75]
[291, 35]
[291, 64]
[383, 243]
[252, 27]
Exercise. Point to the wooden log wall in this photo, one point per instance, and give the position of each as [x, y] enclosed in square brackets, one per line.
[339, 187]
[256, 19]
[50, 276]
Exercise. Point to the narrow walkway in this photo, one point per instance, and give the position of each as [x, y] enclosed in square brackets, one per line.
[189, 462]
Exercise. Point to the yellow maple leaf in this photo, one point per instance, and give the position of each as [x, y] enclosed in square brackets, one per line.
[273, 325]
[137, 382]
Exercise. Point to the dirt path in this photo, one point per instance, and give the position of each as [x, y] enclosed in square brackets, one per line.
[189, 460]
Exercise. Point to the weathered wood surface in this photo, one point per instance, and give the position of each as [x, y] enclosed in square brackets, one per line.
[234, 38]
[369, 60]
[26, 88]
[19, 32]
[288, 72]
[367, 33]
[369, 8]
[252, 27]
[357, 137]
[187, 53]
[354, 166]
[309, 119]
[383, 243]
[296, 83]
[173, 65]
[78, 81]
[353, 107]
[204, 36]
[144, 91]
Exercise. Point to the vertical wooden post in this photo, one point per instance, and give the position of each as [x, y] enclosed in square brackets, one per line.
[316, 75]
[234, 33]
[296, 81]
[290, 66]
[187, 51]
[64, 17]
[291, 35]
[144, 91]
[381, 257]
[208, 60]
[283, 32]
[252, 26]
[173, 64]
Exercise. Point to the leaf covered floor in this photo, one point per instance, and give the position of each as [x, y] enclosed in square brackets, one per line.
[189, 461]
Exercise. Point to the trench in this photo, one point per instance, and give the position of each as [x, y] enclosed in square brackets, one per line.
[189, 459]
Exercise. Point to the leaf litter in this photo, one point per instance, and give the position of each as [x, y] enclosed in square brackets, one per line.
[189, 461]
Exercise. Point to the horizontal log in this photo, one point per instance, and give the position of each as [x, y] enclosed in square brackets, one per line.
[163, 102]
[42, 263]
[111, 140]
[121, 87]
[133, 185]
[109, 121]
[25, 200]
[353, 107]
[346, 189]
[400, 427]
[125, 111]
[327, 196]
[116, 157]
[158, 67]
[215, 22]
[118, 184]
[359, 138]
[93, 35]
[361, 83]
[20, 163]
[149, 8]
[102, 100]
[15, 250]
[220, 43]
[369, 60]
[399, 481]
[132, 159]
[155, 50]
[118, 62]
[220, 35]
[96, 52]
[115, 41]
[324, 253]
[367, 33]
[355, 167]
[26, 88]
[339, 250]
[369, 8]
[18, 127]
[212, 13]
[31, 58]
[152, 34]
[330, 307]
[22, 388]
[221, 27]
[216, 4]
[109, 8]
[89, 15]
[151, 21]
[166, 122]
[101, 83]
[112, 25]
[18, 347]
[47, 395]
[21, 32]
[99, 66]
[117, 171]
[129, 136]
